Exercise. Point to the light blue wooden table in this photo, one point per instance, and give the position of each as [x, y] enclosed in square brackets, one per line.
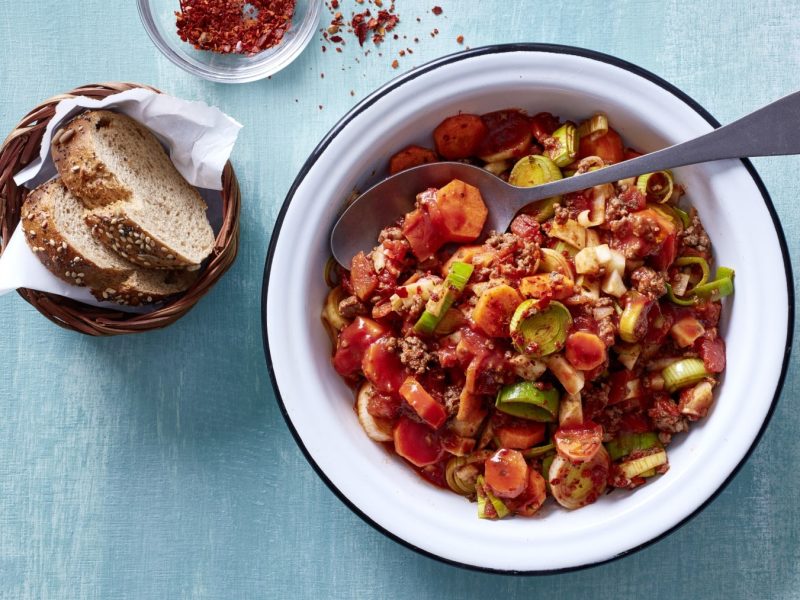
[158, 466]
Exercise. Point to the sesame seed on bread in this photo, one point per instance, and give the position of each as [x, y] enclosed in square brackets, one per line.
[138, 203]
[53, 221]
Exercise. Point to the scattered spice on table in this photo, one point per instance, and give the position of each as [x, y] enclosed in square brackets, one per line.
[234, 26]
[372, 22]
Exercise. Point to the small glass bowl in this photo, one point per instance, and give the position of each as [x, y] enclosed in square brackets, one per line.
[158, 17]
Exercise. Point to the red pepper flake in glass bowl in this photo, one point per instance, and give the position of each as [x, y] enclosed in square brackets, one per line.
[234, 26]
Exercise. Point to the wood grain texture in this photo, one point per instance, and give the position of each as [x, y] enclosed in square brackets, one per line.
[158, 466]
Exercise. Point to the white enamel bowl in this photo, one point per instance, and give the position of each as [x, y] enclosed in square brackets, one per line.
[572, 83]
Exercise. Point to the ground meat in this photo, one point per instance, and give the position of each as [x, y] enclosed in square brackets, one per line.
[413, 353]
[610, 419]
[515, 256]
[607, 325]
[595, 399]
[649, 282]
[645, 229]
[615, 209]
[561, 214]
[390, 233]
[351, 307]
[452, 399]
[667, 417]
[695, 236]
[502, 242]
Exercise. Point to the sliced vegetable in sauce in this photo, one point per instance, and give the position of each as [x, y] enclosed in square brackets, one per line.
[483, 358]
[540, 331]
[529, 400]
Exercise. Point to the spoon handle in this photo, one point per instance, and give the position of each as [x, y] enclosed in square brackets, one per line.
[768, 131]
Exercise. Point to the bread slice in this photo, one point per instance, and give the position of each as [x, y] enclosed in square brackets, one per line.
[55, 229]
[139, 205]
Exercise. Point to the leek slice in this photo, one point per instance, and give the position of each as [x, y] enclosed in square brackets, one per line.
[683, 373]
[454, 284]
[554, 260]
[539, 450]
[534, 170]
[633, 321]
[565, 149]
[657, 186]
[715, 290]
[598, 124]
[484, 495]
[695, 260]
[683, 215]
[678, 300]
[725, 272]
[540, 332]
[639, 467]
[625, 443]
[528, 401]
[562, 247]
[461, 472]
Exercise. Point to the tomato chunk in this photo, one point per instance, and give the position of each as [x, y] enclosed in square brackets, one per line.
[579, 443]
[712, 351]
[428, 409]
[416, 442]
[506, 473]
[362, 276]
[411, 156]
[423, 227]
[382, 367]
[585, 350]
[607, 146]
[459, 136]
[353, 343]
[543, 125]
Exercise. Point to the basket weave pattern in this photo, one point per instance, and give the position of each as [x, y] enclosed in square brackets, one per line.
[22, 146]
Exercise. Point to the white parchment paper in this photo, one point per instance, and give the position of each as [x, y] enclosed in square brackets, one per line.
[198, 137]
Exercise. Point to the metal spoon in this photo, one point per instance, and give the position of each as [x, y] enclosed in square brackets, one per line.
[769, 131]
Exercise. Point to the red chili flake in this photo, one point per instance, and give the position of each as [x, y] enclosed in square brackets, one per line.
[460, 39]
[334, 4]
[352, 92]
[336, 39]
[234, 26]
[437, 10]
[402, 53]
[395, 64]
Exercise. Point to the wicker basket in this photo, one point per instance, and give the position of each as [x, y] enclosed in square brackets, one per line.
[21, 147]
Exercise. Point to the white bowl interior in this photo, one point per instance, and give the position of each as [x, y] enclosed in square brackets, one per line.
[319, 404]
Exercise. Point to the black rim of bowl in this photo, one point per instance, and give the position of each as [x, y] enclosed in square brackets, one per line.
[453, 58]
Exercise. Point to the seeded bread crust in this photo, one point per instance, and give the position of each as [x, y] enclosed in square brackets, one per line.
[80, 168]
[134, 243]
[127, 285]
[113, 203]
[50, 247]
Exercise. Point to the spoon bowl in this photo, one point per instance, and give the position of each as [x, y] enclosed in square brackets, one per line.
[768, 131]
